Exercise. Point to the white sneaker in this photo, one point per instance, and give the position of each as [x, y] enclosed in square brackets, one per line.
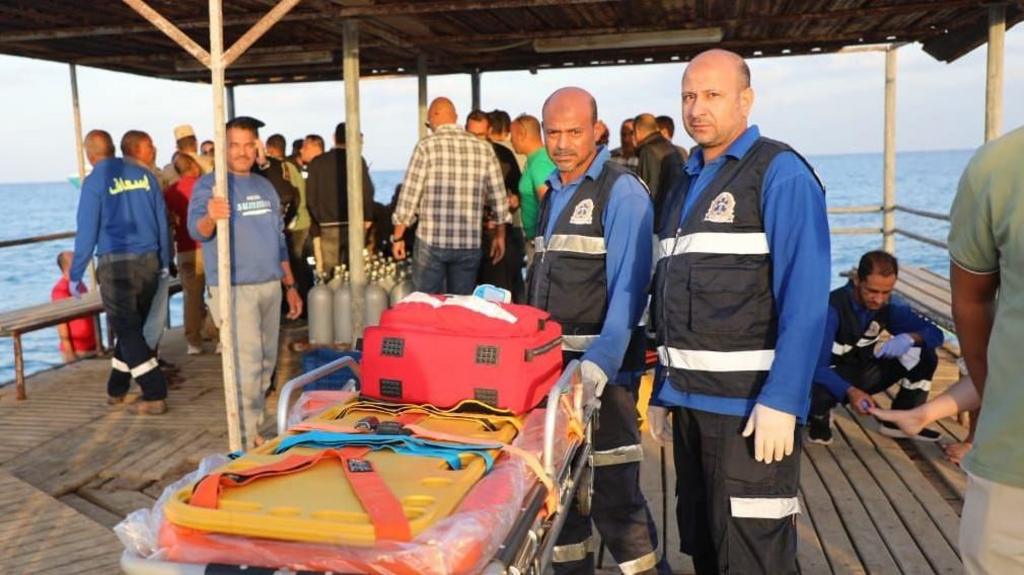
[194, 350]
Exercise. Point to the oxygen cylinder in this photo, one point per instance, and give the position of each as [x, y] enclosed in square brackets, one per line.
[402, 288]
[375, 304]
[337, 278]
[320, 302]
[343, 313]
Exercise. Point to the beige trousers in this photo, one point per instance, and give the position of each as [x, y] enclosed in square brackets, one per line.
[992, 528]
[257, 327]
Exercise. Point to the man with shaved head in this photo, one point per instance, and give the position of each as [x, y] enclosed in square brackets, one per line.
[658, 164]
[122, 219]
[533, 183]
[739, 305]
[591, 273]
[452, 177]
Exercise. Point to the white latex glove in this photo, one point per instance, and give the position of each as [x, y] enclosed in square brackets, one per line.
[594, 380]
[773, 433]
[75, 287]
[657, 423]
[165, 273]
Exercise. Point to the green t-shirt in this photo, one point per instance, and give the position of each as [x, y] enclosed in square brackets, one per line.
[987, 236]
[535, 175]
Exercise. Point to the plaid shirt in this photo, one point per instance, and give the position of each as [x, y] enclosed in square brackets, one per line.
[451, 176]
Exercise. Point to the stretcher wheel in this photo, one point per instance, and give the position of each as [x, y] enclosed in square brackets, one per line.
[585, 489]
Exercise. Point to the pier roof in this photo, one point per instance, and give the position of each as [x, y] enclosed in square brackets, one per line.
[470, 35]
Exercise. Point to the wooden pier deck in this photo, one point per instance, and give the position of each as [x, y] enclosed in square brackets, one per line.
[71, 467]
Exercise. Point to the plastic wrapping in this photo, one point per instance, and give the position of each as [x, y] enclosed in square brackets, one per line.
[312, 403]
[462, 543]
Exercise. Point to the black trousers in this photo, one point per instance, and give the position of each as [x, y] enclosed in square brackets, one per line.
[735, 514]
[128, 283]
[508, 272]
[334, 246]
[618, 510]
[876, 376]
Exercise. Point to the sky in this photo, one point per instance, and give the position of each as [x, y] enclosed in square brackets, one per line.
[824, 104]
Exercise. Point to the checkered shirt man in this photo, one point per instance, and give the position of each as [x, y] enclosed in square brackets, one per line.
[451, 177]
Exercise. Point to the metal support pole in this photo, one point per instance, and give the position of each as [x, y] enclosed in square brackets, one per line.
[230, 103]
[76, 112]
[421, 76]
[19, 369]
[236, 428]
[889, 165]
[354, 163]
[994, 72]
[475, 87]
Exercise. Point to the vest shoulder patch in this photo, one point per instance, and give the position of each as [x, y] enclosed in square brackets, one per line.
[583, 213]
[722, 209]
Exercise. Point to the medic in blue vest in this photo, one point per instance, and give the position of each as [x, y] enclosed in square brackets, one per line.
[738, 307]
[591, 273]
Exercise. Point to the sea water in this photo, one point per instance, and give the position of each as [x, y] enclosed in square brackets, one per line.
[925, 180]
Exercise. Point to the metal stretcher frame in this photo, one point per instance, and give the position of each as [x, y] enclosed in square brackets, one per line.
[527, 548]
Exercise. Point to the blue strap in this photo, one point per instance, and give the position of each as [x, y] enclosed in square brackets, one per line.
[402, 444]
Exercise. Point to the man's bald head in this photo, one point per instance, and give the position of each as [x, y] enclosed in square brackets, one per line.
[722, 59]
[573, 97]
[526, 134]
[717, 99]
[98, 146]
[570, 123]
[441, 112]
[644, 125]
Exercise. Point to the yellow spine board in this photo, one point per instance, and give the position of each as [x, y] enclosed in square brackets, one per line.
[318, 504]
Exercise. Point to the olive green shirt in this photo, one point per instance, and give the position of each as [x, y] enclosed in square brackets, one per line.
[987, 237]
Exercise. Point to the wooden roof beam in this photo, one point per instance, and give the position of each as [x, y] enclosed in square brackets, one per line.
[403, 8]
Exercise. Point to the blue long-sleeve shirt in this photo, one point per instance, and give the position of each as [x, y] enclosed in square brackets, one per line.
[257, 230]
[902, 319]
[628, 221]
[795, 221]
[121, 210]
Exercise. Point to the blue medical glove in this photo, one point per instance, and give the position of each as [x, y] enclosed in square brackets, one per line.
[896, 346]
[75, 287]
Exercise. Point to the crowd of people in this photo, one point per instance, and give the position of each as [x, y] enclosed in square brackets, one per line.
[732, 293]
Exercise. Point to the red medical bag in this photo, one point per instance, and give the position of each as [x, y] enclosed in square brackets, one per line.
[441, 351]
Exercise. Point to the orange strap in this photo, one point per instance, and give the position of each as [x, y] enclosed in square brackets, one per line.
[377, 499]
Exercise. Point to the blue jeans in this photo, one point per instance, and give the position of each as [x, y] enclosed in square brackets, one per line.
[434, 269]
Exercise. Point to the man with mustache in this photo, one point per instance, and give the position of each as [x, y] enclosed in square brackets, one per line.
[590, 271]
[739, 305]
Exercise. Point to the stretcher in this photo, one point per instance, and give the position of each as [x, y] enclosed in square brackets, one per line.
[521, 473]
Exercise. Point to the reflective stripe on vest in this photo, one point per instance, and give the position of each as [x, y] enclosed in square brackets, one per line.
[714, 243]
[578, 343]
[703, 360]
[589, 245]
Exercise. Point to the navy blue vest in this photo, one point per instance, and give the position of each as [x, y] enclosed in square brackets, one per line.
[568, 277]
[853, 346]
[713, 307]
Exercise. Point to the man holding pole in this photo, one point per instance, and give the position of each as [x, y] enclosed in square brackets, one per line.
[260, 266]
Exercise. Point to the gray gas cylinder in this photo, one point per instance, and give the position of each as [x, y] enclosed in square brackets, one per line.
[321, 311]
[337, 278]
[343, 313]
[403, 288]
[375, 304]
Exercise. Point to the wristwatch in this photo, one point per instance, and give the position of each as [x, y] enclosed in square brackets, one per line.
[397, 240]
[289, 286]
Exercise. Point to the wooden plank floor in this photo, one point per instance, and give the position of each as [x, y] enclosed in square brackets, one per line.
[71, 467]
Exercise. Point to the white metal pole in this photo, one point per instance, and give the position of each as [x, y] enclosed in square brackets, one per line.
[474, 80]
[994, 71]
[421, 77]
[76, 111]
[889, 162]
[354, 163]
[236, 426]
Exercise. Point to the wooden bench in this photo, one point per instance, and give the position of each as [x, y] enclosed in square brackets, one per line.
[16, 322]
